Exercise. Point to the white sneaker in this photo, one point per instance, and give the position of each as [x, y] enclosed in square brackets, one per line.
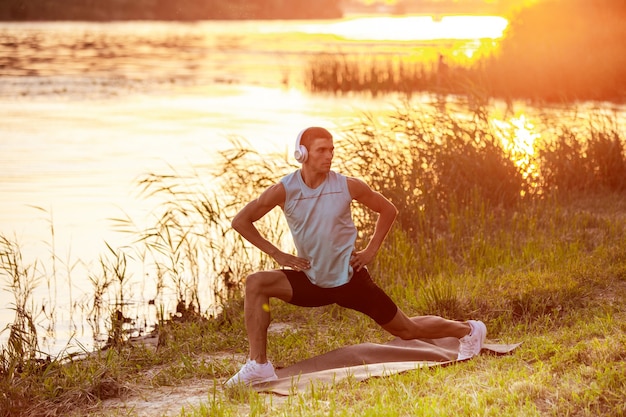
[253, 373]
[472, 344]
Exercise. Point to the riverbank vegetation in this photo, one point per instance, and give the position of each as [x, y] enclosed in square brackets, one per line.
[552, 51]
[529, 238]
[183, 10]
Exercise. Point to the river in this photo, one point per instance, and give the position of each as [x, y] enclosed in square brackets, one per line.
[86, 108]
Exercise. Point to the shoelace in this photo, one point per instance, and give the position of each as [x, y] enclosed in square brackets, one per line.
[247, 369]
[467, 347]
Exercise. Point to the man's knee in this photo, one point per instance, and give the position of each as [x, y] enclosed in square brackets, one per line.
[255, 282]
[405, 334]
[268, 283]
[401, 326]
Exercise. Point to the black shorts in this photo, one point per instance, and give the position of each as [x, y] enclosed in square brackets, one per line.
[360, 294]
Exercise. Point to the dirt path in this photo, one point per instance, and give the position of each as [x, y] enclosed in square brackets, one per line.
[148, 401]
[161, 401]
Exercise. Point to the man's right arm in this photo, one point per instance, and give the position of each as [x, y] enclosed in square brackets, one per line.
[243, 222]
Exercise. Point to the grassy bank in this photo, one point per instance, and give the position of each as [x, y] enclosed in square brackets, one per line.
[183, 10]
[556, 282]
[484, 232]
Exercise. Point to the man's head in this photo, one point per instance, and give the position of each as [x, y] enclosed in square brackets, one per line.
[305, 138]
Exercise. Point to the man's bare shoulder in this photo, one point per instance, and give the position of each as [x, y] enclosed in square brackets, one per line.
[357, 187]
[274, 195]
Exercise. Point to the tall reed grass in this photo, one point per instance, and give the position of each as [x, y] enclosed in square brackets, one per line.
[23, 345]
[190, 236]
[343, 73]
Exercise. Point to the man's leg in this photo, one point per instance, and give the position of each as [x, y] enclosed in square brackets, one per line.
[260, 287]
[425, 327]
[363, 295]
[471, 334]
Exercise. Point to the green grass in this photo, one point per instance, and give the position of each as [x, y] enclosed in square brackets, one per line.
[571, 362]
[563, 298]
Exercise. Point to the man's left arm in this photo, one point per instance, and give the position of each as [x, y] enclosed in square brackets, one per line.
[387, 213]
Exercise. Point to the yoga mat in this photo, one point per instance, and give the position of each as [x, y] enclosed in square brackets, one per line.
[368, 360]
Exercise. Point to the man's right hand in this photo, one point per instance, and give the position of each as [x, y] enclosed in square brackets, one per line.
[289, 261]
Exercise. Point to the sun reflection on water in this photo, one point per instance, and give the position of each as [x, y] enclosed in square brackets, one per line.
[519, 137]
[413, 28]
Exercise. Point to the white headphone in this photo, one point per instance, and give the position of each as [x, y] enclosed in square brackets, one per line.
[300, 153]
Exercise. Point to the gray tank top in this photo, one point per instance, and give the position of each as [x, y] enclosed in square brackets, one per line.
[321, 224]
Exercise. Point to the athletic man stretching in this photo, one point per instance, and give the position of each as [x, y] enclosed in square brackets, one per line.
[329, 268]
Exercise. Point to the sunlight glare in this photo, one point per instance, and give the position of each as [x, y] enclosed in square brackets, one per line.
[524, 135]
[410, 28]
[518, 137]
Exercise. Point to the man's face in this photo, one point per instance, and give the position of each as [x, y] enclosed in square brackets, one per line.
[321, 153]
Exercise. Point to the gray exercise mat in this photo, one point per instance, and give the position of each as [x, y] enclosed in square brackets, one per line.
[368, 360]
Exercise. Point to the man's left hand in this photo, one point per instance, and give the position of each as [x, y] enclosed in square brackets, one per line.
[360, 259]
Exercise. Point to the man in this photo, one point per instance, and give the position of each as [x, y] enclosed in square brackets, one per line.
[328, 267]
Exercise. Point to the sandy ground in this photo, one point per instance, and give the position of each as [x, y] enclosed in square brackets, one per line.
[163, 401]
[169, 401]
[166, 401]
